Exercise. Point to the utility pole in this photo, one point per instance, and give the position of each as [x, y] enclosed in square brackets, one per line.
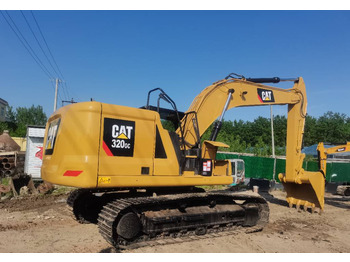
[273, 145]
[56, 89]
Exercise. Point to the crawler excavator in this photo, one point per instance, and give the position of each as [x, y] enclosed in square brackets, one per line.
[139, 182]
[322, 161]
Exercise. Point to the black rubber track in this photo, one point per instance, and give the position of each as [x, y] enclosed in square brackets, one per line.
[84, 206]
[113, 210]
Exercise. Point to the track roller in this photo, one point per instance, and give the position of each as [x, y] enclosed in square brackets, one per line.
[134, 221]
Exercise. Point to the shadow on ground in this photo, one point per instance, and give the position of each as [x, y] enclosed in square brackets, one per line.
[270, 198]
[336, 201]
[340, 202]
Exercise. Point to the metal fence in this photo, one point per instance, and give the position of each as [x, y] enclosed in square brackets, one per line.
[262, 167]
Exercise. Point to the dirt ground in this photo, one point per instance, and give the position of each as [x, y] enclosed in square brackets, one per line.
[43, 224]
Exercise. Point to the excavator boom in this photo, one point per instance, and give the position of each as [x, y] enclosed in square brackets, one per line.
[303, 188]
[212, 103]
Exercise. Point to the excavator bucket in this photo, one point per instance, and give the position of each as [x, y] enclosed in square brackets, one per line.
[306, 191]
[303, 188]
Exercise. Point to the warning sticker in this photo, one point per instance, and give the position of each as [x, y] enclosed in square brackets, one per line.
[104, 180]
[207, 166]
[118, 137]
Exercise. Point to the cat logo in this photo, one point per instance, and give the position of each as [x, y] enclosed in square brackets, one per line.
[121, 132]
[118, 137]
[265, 96]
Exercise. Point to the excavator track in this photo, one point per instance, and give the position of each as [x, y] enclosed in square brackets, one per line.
[130, 223]
[84, 206]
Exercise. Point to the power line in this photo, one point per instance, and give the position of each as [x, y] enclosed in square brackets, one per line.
[19, 31]
[64, 87]
[38, 42]
[41, 47]
[65, 90]
[31, 51]
[47, 46]
[52, 84]
[59, 95]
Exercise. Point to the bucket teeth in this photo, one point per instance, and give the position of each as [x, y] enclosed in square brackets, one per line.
[308, 192]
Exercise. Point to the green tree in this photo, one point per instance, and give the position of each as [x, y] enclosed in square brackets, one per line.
[240, 135]
[31, 116]
[168, 125]
[261, 129]
[333, 128]
[310, 133]
[261, 148]
[207, 133]
[280, 131]
[11, 115]
[21, 118]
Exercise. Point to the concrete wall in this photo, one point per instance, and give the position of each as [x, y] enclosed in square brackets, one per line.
[21, 141]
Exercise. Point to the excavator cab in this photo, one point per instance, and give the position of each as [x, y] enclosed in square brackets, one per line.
[238, 171]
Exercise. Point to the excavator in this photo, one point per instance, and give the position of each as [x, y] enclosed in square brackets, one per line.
[141, 183]
[322, 160]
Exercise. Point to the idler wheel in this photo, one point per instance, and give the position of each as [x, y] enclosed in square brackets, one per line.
[347, 192]
[129, 226]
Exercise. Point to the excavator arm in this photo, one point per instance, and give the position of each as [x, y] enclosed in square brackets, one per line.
[324, 152]
[223, 95]
[303, 188]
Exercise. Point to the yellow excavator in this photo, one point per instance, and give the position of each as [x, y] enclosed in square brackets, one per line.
[139, 182]
[322, 160]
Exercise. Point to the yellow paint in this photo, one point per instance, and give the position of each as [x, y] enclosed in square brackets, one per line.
[76, 145]
[324, 152]
[76, 148]
[80, 143]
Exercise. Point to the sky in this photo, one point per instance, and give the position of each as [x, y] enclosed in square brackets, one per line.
[116, 57]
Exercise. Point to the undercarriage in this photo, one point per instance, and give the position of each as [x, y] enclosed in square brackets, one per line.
[132, 219]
